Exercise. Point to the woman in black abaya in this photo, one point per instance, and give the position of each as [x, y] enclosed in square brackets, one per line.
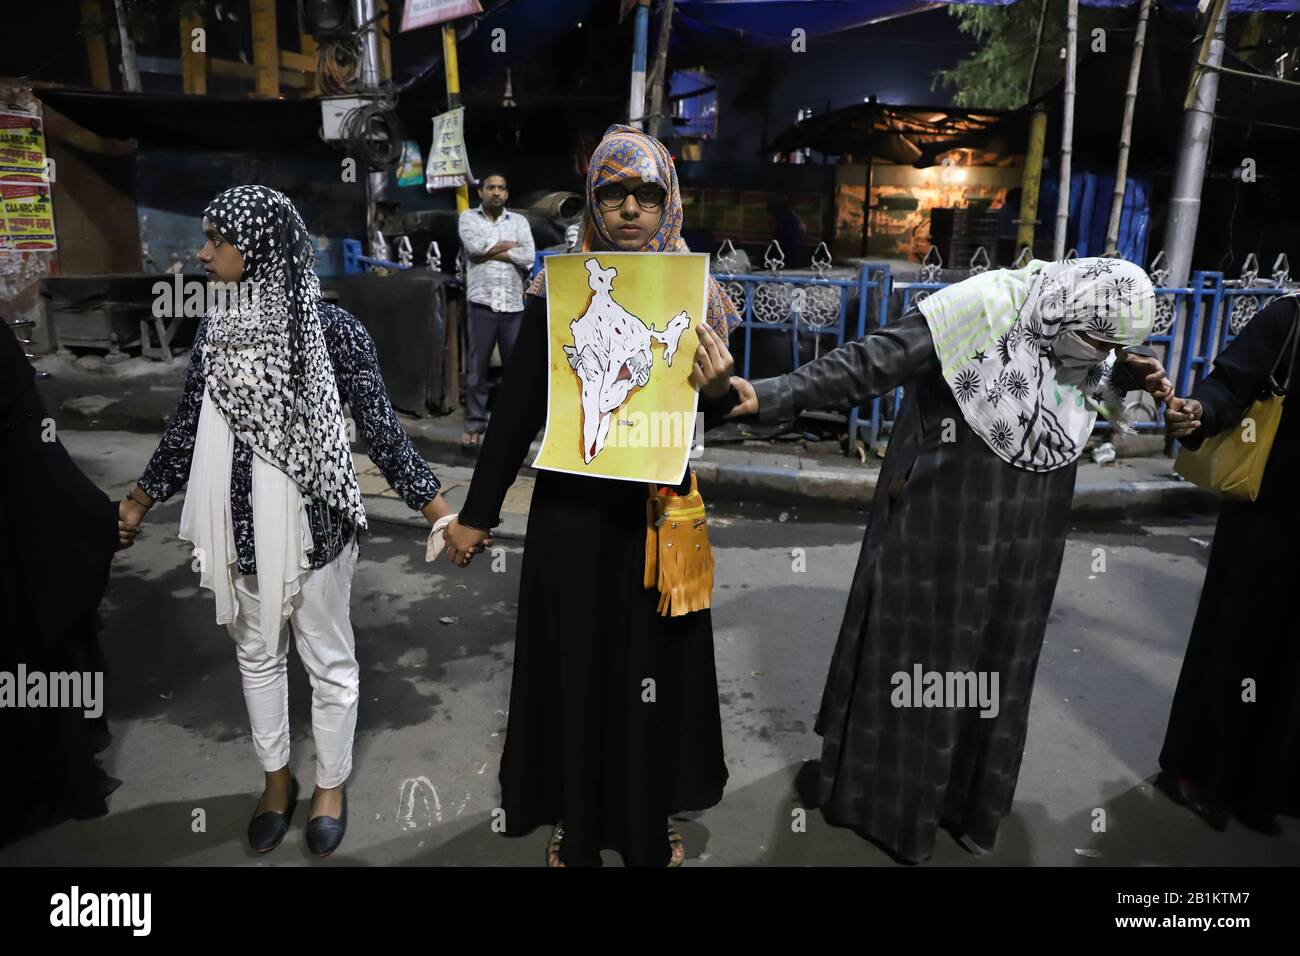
[583, 746]
[58, 533]
[1233, 742]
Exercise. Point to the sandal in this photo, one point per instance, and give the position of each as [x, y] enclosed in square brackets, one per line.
[678, 844]
[553, 846]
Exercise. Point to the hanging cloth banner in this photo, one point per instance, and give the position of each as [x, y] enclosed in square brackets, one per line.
[448, 165]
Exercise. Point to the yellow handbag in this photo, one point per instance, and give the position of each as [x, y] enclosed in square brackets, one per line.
[1228, 462]
[678, 559]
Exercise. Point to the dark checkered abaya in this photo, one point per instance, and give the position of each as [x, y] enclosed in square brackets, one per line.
[957, 573]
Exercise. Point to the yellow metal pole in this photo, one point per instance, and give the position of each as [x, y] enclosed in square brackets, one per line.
[452, 66]
[1033, 175]
[266, 48]
[92, 28]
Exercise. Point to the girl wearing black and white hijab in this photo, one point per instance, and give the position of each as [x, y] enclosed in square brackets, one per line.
[1004, 373]
[273, 507]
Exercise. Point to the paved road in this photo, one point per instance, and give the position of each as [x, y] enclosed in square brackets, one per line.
[434, 697]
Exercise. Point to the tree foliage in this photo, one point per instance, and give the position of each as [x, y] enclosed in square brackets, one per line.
[996, 76]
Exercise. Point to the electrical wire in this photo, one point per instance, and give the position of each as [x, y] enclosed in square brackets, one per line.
[338, 63]
[372, 134]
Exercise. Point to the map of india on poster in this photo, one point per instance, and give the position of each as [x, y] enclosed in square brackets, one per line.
[621, 346]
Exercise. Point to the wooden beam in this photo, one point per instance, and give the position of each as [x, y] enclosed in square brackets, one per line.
[194, 65]
[266, 50]
[219, 67]
[298, 61]
[248, 71]
[295, 78]
[93, 25]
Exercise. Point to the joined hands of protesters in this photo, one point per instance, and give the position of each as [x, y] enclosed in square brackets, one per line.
[130, 513]
[1182, 417]
[463, 542]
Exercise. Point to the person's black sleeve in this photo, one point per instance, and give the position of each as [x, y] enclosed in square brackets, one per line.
[852, 373]
[517, 416]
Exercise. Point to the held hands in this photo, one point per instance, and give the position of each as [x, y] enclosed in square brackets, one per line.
[1182, 417]
[463, 542]
[129, 516]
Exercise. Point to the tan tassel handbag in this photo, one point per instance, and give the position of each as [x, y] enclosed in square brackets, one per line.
[678, 559]
[1229, 464]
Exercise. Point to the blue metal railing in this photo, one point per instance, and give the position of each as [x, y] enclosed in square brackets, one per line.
[1193, 322]
[817, 305]
[354, 261]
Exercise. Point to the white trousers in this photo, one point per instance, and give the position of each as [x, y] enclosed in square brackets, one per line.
[323, 632]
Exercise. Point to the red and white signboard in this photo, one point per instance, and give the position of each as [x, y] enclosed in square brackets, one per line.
[425, 13]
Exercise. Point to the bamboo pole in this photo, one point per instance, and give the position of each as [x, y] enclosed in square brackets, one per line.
[1126, 131]
[130, 72]
[1031, 179]
[1067, 126]
[1038, 46]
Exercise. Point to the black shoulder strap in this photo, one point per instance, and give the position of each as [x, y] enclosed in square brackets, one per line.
[1291, 342]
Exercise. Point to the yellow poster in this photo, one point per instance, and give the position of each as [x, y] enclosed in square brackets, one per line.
[22, 148]
[621, 347]
[27, 220]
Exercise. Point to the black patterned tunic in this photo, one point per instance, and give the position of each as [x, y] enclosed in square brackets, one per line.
[361, 387]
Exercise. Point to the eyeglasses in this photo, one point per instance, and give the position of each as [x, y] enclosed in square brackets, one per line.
[647, 195]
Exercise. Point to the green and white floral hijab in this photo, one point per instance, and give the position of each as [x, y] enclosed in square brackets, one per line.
[994, 334]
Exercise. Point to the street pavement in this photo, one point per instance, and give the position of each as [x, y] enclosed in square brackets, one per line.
[435, 644]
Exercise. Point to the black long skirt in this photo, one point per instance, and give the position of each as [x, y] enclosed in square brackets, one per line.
[1234, 728]
[614, 721]
[957, 574]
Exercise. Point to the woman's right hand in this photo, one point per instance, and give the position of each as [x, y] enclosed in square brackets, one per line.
[129, 515]
[463, 542]
[1182, 417]
[748, 404]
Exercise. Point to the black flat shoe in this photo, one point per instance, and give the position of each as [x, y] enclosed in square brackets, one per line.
[267, 830]
[324, 834]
